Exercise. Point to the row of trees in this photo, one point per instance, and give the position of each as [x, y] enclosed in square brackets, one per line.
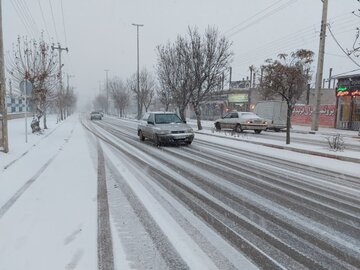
[121, 92]
[36, 61]
[191, 69]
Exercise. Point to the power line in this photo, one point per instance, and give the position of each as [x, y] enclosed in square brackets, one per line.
[290, 2]
[28, 13]
[43, 17]
[63, 21]
[53, 19]
[23, 18]
[343, 50]
[252, 17]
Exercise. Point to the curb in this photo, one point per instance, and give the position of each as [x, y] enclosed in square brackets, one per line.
[289, 148]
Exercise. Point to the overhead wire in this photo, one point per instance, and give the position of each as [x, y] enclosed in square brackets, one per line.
[28, 13]
[339, 45]
[266, 15]
[63, 21]
[23, 18]
[252, 17]
[53, 20]
[44, 21]
[303, 36]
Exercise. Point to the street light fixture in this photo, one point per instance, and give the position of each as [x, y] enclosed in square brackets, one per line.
[138, 76]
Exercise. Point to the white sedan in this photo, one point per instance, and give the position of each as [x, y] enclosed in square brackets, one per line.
[240, 121]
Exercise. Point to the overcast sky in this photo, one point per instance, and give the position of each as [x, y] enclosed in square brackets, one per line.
[100, 36]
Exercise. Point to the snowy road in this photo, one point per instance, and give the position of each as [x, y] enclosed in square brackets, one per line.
[215, 206]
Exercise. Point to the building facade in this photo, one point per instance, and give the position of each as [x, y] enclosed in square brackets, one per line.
[348, 102]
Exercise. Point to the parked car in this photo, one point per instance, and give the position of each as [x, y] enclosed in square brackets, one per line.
[240, 121]
[95, 116]
[164, 128]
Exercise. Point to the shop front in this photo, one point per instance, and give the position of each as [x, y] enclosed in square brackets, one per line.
[348, 102]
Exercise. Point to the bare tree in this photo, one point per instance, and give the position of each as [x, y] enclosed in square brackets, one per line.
[119, 95]
[191, 68]
[174, 73]
[287, 77]
[100, 102]
[147, 89]
[164, 97]
[211, 57]
[35, 61]
[147, 86]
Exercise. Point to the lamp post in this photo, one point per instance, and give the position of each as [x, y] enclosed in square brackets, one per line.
[107, 90]
[137, 73]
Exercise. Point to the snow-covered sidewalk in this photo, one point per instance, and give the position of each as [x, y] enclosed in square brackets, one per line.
[48, 220]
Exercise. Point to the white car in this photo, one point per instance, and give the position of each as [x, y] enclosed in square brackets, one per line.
[164, 128]
[240, 121]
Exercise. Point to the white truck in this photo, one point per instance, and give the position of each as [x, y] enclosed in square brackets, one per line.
[274, 112]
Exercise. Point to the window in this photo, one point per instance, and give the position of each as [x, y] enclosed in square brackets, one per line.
[167, 119]
[234, 115]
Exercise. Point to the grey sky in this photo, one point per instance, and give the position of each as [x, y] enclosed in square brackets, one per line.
[100, 36]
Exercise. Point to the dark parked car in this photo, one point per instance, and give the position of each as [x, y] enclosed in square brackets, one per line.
[164, 127]
[95, 116]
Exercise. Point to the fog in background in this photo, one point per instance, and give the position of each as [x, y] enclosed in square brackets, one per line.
[100, 36]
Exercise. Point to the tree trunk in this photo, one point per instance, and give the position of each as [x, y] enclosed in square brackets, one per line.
[288, 124]
[198, 116]
[44, 120]
[182, 113]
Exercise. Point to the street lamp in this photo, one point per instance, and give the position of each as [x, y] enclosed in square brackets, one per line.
[137, 75]
[107, 91]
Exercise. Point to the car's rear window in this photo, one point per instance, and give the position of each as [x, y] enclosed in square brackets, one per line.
[249, 115]
[167, 118]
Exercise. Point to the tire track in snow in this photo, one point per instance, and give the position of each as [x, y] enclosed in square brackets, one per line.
[127, 137]
[104, 240]
[28, 183]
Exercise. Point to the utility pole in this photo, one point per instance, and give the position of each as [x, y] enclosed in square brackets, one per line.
[330, 78]
[107, 91]
[68, 90]
[138, 76]
[230, 77]
[61, 101]
[3, 110]
[320, 66]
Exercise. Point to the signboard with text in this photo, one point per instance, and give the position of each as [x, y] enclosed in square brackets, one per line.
[302, 115]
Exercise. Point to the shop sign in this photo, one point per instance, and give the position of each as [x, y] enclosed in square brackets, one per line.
[355, 93]
[238, 98]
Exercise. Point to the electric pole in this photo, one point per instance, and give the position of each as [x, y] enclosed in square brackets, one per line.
[137, 73]
[61, 98]
[3, 110]
[107, 91]
[320, 66]
[68, 90]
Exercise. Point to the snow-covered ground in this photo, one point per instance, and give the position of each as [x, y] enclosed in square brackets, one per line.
[48, 194]
[48, 199]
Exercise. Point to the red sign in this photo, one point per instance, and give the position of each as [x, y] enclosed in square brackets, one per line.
[342, 93]
[355, 93]
[302, 115]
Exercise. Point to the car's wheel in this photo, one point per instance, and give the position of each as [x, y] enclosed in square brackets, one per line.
[277, 129]
[257, 131]
[156, 140]
[188, 143]
[141, 136]
[217, 126]
[238, 128]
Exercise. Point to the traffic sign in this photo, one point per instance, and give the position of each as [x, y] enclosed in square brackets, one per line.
[26, 85]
